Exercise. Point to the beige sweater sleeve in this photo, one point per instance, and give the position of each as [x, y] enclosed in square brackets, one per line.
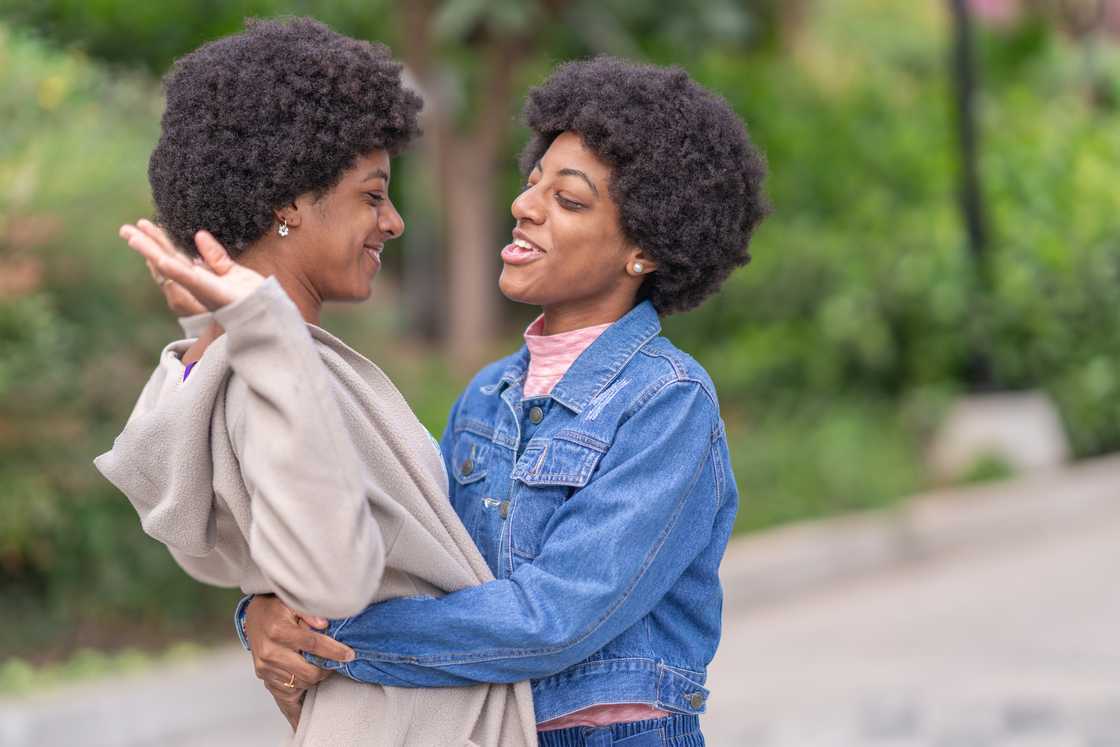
[313, 535]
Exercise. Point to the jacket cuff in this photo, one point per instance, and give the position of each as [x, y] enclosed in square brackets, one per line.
[267, 296]
[194, 326]
[239, 620]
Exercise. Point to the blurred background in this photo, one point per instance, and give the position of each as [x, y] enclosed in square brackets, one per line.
[943, 260]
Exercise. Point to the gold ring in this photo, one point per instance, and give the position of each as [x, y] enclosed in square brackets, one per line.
[164, 281]
[291, 682]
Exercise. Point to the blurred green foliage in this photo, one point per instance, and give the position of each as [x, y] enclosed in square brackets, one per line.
[835, 352]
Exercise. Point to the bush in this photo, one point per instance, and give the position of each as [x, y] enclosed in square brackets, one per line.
[79, 327]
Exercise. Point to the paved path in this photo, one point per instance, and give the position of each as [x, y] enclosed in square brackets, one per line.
[1016, 646]
[972, 642]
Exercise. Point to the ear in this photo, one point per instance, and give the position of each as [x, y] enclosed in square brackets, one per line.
[638, 263]
[292, 213]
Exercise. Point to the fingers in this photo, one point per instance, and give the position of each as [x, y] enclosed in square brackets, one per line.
[278, 665]
[290, 704]
[158, 235]
[313, 621]
[213, 253]
[198, 281]
[321, 645]
[152, 271]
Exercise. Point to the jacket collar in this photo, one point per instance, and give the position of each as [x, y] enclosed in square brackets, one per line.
[599, 364]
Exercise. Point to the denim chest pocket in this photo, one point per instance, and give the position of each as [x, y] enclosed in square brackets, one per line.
[470, 458]
[549, 471]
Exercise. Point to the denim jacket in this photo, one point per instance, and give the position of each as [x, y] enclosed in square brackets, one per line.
[603, 510]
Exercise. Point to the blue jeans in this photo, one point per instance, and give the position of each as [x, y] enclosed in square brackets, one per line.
[671, 731]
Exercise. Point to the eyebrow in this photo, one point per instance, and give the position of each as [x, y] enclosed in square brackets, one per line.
[573, 172]
[377, 173]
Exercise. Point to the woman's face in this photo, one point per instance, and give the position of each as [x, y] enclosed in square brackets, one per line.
[569, 253]
[340, 235]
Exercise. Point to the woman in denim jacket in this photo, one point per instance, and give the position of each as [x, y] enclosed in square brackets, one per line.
[591, 467]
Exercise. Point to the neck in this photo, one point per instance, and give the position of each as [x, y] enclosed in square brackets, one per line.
[295, 284]
[562, 318]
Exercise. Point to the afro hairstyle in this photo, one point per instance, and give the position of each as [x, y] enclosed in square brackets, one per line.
[685, 176]
[255, 119]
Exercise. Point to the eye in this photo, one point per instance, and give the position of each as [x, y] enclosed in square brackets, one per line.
[376, 197]
[569, 204]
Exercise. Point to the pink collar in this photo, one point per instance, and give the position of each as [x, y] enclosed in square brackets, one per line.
[550, 356]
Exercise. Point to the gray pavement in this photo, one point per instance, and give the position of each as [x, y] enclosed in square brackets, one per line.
[1019, 645]
[980, 618]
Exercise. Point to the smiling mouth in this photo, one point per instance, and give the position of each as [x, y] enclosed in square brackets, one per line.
[374, 252]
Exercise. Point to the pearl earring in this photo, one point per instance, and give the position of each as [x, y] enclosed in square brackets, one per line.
[638, 267]
[283, 229]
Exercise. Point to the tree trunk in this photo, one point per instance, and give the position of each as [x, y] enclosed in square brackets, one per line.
[469, 175]
[980, 373]
[421, 273]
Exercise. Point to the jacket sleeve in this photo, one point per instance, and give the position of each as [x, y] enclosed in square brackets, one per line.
[587, 585]
[313, 535]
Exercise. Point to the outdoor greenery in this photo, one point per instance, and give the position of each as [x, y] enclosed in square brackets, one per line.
[834, 352]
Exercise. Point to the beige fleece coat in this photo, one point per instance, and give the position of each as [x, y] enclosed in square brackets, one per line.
[289, 463]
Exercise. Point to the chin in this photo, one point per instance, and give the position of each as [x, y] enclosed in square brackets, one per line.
[514, 291]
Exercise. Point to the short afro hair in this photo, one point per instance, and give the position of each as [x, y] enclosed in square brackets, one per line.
[255, 119]
[685, 176]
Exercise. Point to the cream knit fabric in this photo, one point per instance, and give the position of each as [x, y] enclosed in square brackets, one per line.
[289, 463]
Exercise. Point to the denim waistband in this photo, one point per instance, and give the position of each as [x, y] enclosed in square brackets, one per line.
[658, 731]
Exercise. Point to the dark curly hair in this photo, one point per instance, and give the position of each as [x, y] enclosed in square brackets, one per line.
[684, 174]
[255, 119]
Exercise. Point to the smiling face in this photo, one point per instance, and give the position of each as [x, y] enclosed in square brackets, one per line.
[337, 238]
[568, 254]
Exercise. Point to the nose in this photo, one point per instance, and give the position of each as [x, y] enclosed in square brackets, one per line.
[527, 206]
[389, 221]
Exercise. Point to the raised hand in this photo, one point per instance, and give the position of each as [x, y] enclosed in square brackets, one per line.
[178, 298]
[216, 282]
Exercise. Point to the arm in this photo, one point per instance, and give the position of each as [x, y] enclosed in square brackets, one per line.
[312, 534]
[586, 586]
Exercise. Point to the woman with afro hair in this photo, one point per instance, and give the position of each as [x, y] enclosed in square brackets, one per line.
[264, 452]
[591, 466]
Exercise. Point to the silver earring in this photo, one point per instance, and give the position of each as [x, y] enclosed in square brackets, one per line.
[283, 229]
[638, 267]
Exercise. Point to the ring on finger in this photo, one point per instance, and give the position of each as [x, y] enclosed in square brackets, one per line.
[165, 281]
[291, 682]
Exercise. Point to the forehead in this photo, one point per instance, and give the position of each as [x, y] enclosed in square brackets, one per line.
[567, 151]
[370, 167]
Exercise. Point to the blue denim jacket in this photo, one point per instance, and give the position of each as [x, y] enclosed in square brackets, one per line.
[603, 510]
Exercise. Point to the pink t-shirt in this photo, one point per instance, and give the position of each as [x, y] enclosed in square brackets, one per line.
[550, 357]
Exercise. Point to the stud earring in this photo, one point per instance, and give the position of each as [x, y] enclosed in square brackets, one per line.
[638, 267]
[283, 229]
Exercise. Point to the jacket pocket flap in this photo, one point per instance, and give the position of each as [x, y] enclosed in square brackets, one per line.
[561, 460]
[470, 457]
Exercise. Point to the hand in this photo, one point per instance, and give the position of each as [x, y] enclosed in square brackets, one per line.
[178, 298]
[277, 636]
[216, 282]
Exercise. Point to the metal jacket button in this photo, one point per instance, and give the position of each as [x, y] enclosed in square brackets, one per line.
[468, 466]
[696, 700]
[536, 415]
[503, 509]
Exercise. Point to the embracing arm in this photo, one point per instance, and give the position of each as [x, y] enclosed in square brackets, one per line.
[610, 553]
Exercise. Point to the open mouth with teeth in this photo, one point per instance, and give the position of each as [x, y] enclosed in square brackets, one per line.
[521, 252]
